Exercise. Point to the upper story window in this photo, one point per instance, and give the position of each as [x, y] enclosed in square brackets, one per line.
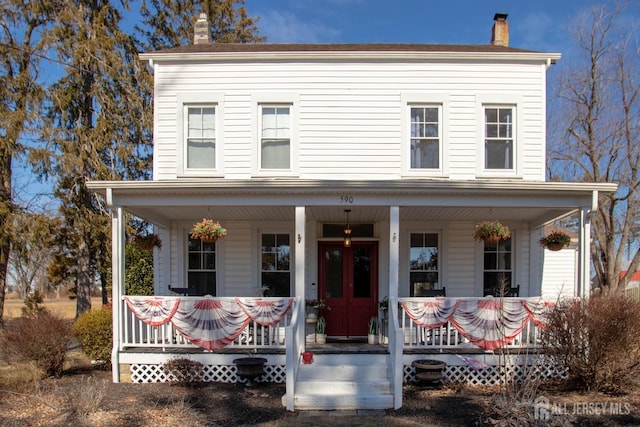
[201, 267]
[200, 145]
[275, 137]
[276, 264]
[423, 263]
[425, 137]
[499, 137]
[497, 266]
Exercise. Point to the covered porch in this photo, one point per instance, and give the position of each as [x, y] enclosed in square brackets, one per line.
[302, 209]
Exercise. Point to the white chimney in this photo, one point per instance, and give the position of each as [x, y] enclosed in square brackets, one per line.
[201, 30]
[500, 31]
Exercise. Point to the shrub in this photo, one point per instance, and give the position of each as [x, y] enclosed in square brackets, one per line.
[42, 338]
[139, 272]
[597, 341]
[184, 371]
[32, 304]
[93, 330]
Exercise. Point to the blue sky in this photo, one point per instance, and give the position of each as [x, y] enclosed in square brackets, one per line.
[534, 24]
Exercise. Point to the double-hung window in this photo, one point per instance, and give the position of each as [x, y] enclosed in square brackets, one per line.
[200, 132]
[424, 266]
[425, 137]
[276, 264]
[497, 267]
[275, 137]
[201, 268]
[499, 137]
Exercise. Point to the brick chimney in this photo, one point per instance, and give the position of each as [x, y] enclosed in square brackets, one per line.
[201, 30]
[500, 31]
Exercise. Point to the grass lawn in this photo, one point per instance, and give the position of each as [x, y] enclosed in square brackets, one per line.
[63, 306]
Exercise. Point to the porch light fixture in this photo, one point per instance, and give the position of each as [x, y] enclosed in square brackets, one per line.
[347, 231]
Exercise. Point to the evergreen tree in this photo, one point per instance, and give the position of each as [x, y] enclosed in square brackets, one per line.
[23, 41]
[169, 23]
[98, 128]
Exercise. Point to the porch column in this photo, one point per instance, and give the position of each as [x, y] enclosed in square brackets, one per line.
[300, 244]
[394, 249]
[584, 254]
[117, 284]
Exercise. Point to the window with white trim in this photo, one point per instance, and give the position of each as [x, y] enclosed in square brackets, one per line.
[497, 268]
[499, 141]
[200, 135]
[275, 137]
[275, 269]
[424, 269]
[201, 267]
[425, 137]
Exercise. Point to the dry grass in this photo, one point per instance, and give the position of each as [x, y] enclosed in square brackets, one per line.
[62, 306]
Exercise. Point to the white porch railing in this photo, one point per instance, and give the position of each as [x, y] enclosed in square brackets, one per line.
[136, 333]
[446, 336]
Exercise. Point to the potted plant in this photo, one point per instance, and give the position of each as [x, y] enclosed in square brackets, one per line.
[321, 324]
[491, 232]
[314, 307]
[555, 240]
[373, 330]
[147, 241]
[208, 230]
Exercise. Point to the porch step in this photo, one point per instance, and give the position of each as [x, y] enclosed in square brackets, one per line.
[344, 381]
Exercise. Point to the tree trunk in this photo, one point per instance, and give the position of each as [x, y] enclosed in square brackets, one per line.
[83, 282]
[5, 223]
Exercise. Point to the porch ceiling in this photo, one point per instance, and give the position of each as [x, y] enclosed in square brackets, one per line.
[335, 214]
[420, 200]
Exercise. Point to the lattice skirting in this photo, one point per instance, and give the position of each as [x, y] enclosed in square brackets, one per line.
[152, 373]
[463, 374]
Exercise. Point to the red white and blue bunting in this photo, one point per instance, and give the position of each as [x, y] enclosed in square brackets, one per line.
[208, 322]
[489, 323]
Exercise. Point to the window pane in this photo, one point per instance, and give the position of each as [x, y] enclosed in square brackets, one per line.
[333, 263]
[279, 283]
[491, 115]
[201, 264]
[201, 153]
[268, 243]
[268, 261]
[498, 155]
[194, 261]
[275, 154]
[424, 154]
[361, 273]
[425, 138]
[204, 283]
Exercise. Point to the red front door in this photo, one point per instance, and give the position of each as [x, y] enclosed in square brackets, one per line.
[348, 283]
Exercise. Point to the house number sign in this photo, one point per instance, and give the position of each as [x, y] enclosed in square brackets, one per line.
[346, 199]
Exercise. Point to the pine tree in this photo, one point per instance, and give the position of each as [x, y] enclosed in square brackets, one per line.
[23, 40]
[168, 23]
[98, 126]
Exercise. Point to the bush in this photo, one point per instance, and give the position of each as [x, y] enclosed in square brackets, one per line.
[43, 338]
[597, 341]
[185, 371]
[93, 330]
[139, 272]
[33, 304]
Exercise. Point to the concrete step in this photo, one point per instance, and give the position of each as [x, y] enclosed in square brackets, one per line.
[344, 382]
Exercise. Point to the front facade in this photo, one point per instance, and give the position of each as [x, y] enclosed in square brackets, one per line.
[407, 146]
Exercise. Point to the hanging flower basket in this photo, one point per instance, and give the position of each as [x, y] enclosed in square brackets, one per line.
[491, 232]
[147, 242]
[555, 240]
[208, 230]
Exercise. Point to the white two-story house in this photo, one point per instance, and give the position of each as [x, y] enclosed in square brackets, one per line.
[407, 146]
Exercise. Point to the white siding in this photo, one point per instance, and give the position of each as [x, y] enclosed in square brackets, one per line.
[237, 276]
[559, 273]
[351, 114]
[462, 250]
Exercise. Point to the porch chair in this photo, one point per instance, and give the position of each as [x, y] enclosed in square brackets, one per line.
[509, 292]
[433, 292]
